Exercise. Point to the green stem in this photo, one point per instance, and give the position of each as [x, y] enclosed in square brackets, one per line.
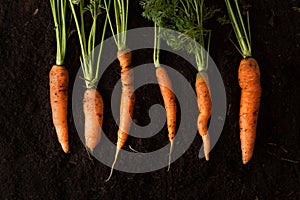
[121, 16]
[107, 8]
[59, 12]
[100, 50]
[239, 29]
[156, 48]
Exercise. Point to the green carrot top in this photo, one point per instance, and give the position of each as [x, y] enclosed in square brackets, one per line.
[95, 7]
[58, 8]
[121, 18]
[243, 37]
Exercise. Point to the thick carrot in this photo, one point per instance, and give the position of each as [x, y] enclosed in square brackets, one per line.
[127, 102]
[93, 116]
[204, 106]
[59, 79]
[249, 81]
[165, 86]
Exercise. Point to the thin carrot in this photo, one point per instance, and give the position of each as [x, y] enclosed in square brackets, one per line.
[93, 115]
[127, 102]
[249, 81]
[58, 76]
[124, 57]
[59, 80]
[204, 105]
[165, 86]
[127, 97]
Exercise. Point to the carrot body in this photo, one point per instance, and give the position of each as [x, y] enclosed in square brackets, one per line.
[127, 102]
[249, 81]
[204, 106]
[93, 116]
[165, 86]
[59, 80]
[127, 97]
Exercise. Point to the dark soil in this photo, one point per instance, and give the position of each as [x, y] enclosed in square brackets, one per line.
[33, 166]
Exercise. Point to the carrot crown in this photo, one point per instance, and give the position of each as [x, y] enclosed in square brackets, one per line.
[243, 36]
[121, 16]
[58, 8]
[87, 45]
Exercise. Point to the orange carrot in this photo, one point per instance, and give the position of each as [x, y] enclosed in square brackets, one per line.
[165, 86]
[249, 81]
[127, 102]
[59, 79]
[93, 116]
[204, 106]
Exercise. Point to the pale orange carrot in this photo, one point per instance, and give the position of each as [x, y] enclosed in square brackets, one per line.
[204, 106]
[165, 86]
[93, 116]
[127, 102]
[59, 80]
[249, 81]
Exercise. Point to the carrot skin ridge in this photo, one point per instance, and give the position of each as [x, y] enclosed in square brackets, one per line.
[205, 107]
[93, 117]
[249, 81]
[126, 104]
[58, 81]
[127, 97]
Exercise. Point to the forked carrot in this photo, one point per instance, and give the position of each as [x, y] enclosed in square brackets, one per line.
[93, 116]
[204, 106]
[59, 77]
[249, 81]
[59, 80]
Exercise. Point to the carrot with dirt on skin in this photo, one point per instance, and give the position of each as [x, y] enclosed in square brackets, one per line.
[205, 107]
[156, 11]
[59, 77]
[249, 81]
[124, 57]
[165, 86]
[92, 100]
[188, 19]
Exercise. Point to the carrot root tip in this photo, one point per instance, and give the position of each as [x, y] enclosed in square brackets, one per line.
[206, 144]
[113, 165]
[170, 153]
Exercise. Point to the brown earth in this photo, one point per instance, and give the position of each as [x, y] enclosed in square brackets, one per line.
[33, 166]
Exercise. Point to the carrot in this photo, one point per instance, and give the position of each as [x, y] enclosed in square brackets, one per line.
[90, 63]
[93, 115]
[249, 81]
[127, 102]
[204, 106]
[165, 86]
[59, 79]
[124, 57]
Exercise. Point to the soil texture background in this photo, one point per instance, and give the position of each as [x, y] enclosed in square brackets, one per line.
[33, 166]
